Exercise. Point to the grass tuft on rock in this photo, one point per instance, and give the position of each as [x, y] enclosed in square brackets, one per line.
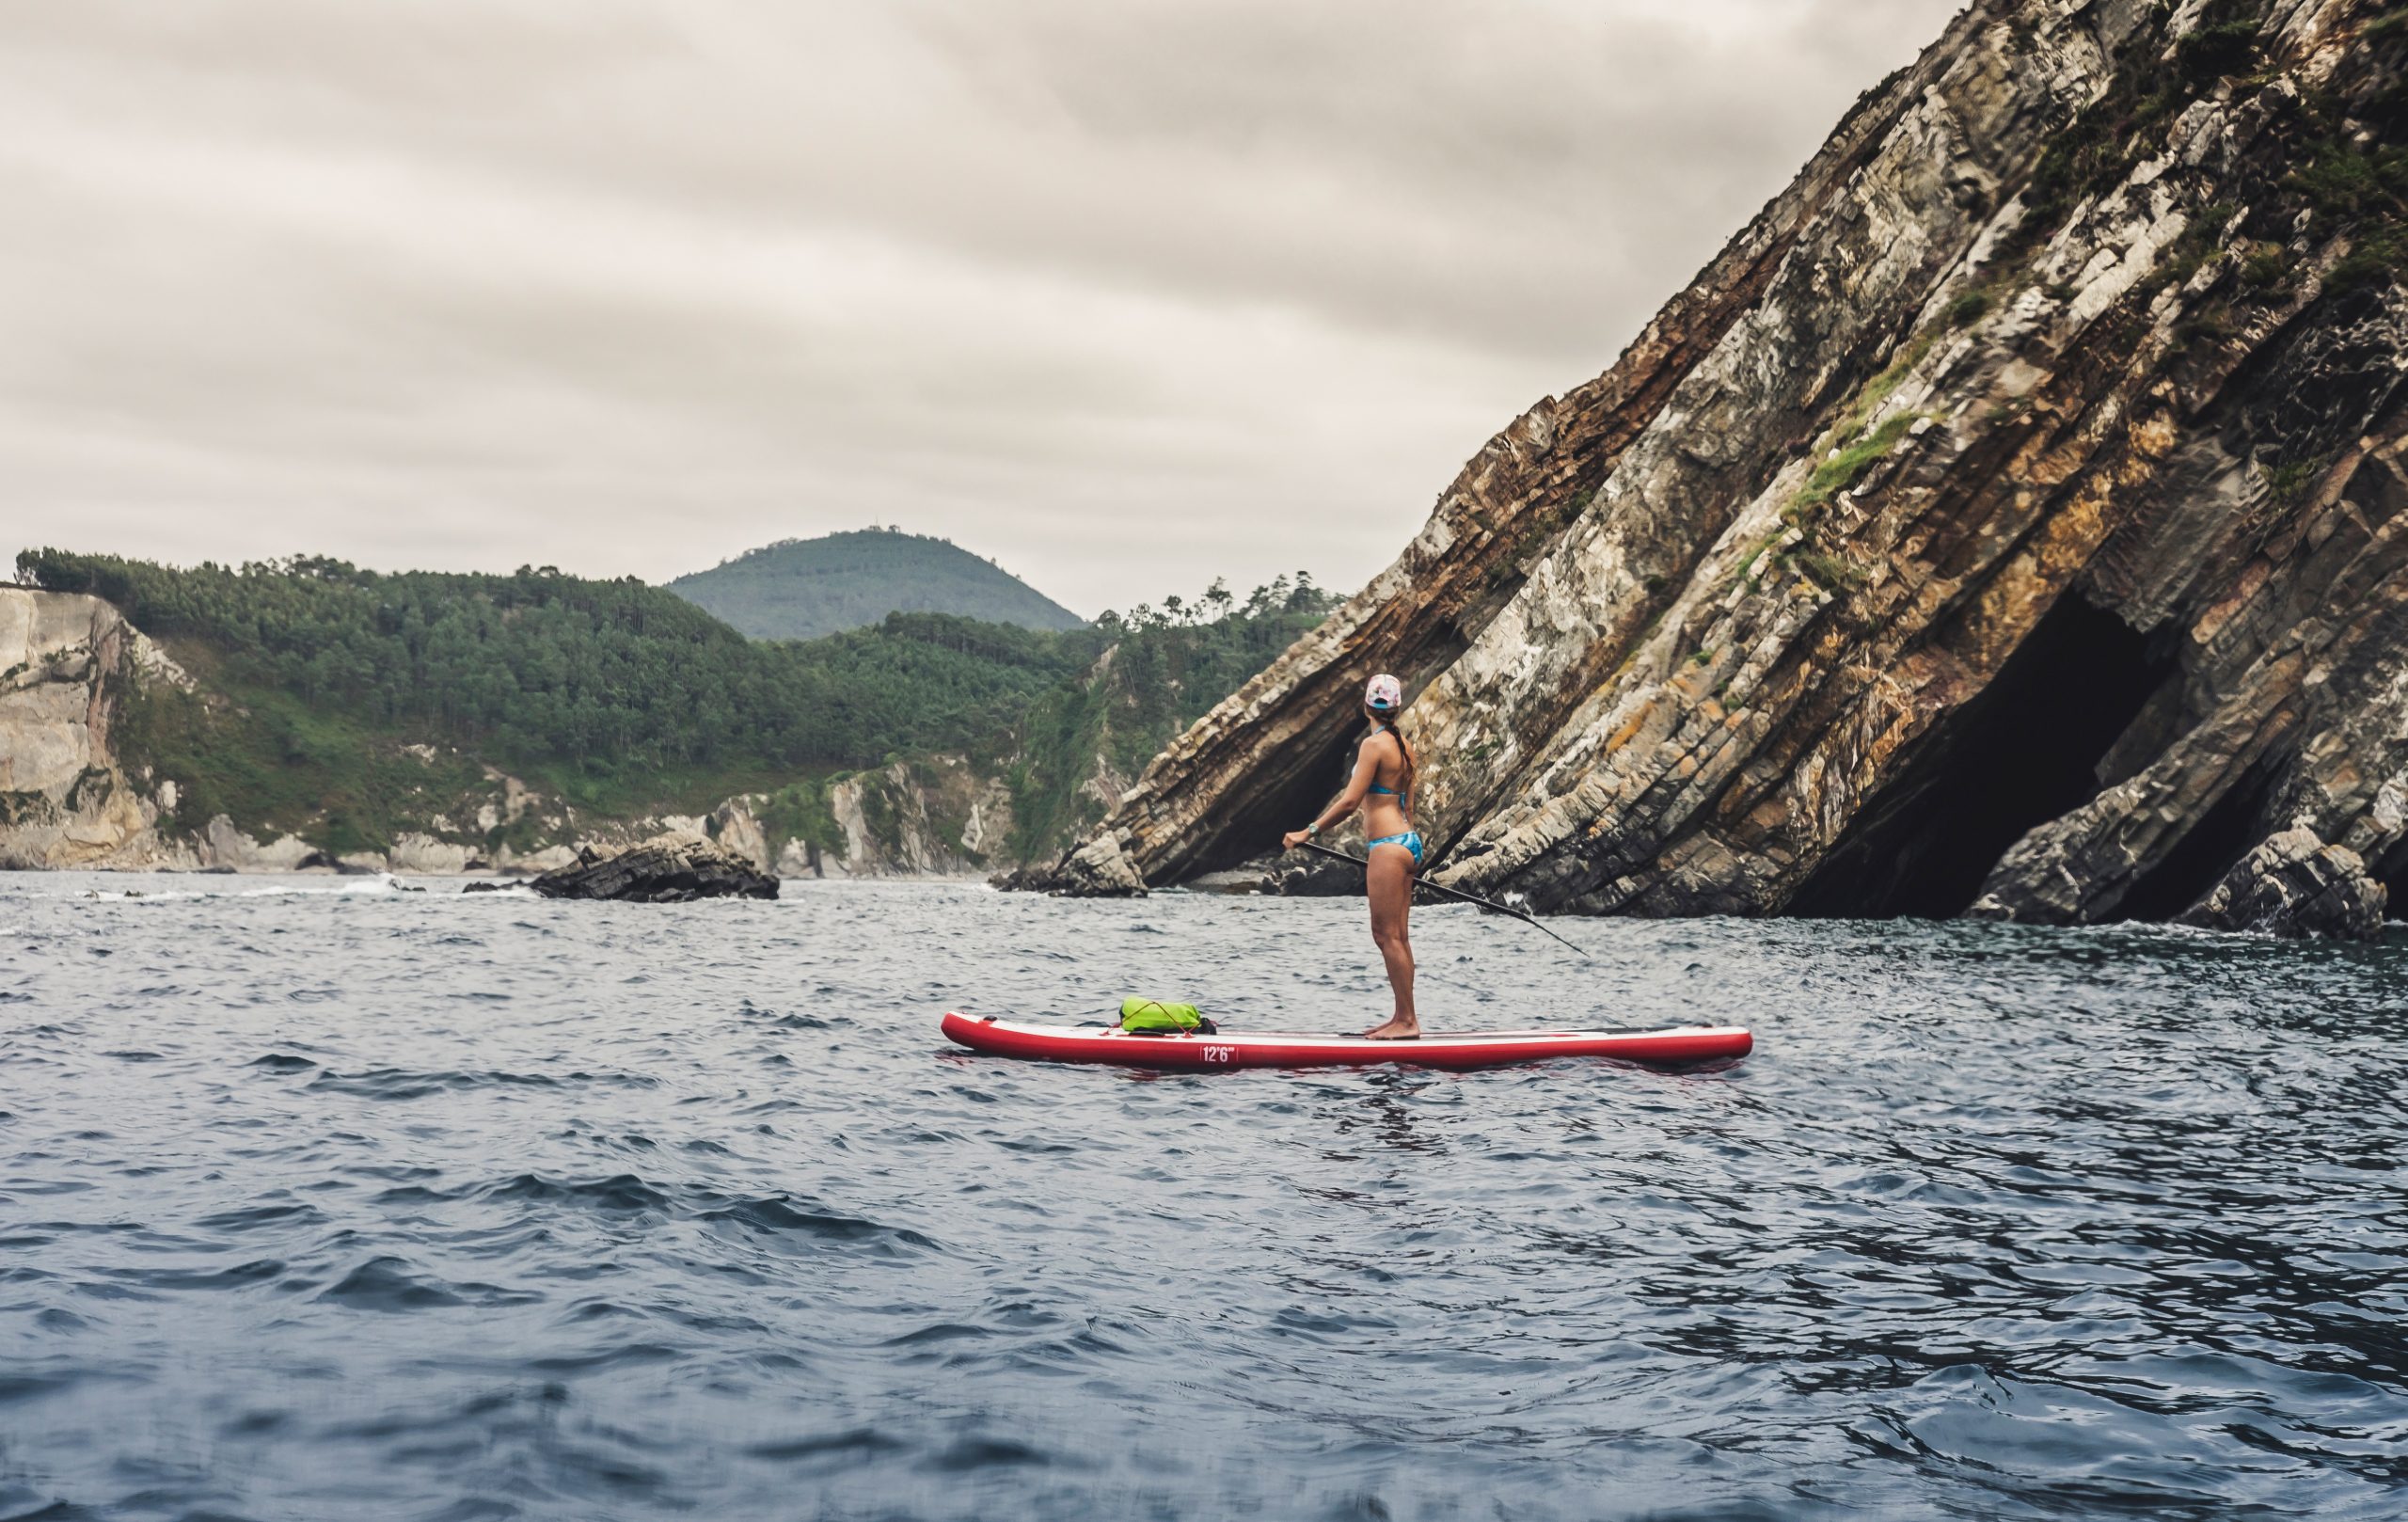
[1841, 471]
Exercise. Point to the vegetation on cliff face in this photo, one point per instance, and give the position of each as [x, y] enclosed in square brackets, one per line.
[348, 705]
[803, 589]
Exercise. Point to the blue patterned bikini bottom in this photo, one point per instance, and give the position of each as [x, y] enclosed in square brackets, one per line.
[1410, 840]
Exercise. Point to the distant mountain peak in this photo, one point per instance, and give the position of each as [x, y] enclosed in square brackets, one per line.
[801, 588]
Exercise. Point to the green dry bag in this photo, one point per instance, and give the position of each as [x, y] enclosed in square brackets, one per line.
[1157, 1017]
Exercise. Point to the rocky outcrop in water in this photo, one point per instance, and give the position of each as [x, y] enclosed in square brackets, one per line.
[667, 870]
[2295, 885]
[2012, 518]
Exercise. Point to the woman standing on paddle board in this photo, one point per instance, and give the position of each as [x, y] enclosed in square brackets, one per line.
[1381, 787]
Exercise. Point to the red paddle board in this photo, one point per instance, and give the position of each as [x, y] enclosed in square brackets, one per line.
[1232, 1049]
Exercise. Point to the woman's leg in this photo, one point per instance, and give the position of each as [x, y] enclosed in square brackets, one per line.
[1388, 879]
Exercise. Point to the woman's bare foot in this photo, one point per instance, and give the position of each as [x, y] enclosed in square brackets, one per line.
[1395, 1030]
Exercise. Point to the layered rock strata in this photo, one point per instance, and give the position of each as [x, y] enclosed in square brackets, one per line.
[674, 869]
[2295, 885]
[2008, 520]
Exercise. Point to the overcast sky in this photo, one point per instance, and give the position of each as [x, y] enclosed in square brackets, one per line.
[1121, 294]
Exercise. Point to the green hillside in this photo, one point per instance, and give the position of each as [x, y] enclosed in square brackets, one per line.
[801, 588]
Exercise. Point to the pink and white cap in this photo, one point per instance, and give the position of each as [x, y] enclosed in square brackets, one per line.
[1386, 691]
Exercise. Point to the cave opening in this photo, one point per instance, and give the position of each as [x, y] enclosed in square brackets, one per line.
[2024, 750]
[2205, 853]
[2390, 869]
[1314, 772]
[1298, 780]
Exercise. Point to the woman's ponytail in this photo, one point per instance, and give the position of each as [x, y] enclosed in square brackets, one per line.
[1387, 722]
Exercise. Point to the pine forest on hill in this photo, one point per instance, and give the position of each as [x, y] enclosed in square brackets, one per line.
[804, 589]
[625, 699]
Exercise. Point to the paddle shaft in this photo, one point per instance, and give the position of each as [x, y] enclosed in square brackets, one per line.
[1524, 915]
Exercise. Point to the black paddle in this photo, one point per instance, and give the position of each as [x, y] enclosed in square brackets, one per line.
[1524, 915]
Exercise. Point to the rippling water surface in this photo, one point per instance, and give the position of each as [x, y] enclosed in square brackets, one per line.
[353, 1202]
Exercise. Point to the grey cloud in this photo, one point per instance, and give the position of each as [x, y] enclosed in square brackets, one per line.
[1125, 294]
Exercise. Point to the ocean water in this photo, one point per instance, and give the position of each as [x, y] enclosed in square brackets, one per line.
[322, 1199]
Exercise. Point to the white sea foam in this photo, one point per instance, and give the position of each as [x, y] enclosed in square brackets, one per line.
[381, 882]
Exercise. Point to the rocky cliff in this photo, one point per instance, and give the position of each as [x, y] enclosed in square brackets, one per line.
[67, 662]
[2009, 521]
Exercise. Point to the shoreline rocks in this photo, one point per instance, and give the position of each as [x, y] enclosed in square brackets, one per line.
[1098, 869]
[2294, 886]
[71, 797]
[1284, 875]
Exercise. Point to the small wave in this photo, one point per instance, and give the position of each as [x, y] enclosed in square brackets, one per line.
[784, 1020]
[240, 1276]
[625, 1354]
[941, 1332]
[620, 1192]
[390, 1284]
[857, 1442]
[257, 1216]
[387, 1284]
[15, 1387]
[401, 1082]
[394, 1172]
[416, 1193]
[973, 1453]
[775, 1214]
